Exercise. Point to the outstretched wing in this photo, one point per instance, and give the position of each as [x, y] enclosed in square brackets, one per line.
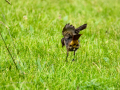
[68, 30]
[77, 30]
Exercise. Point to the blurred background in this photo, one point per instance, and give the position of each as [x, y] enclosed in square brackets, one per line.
[32, 31]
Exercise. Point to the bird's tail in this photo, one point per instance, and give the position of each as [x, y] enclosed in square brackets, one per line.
[75, 39]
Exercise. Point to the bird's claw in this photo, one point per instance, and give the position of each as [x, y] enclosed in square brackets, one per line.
[73, 59]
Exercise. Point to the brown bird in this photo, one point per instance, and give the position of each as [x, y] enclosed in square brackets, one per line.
[71, 36]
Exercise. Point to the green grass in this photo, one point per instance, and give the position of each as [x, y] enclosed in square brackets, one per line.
[35, 44]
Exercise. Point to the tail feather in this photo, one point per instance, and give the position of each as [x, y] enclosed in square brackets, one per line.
[76, 37]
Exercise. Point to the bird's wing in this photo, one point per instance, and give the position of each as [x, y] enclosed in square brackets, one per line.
[82, 27]
[62, 41]
[68, 30]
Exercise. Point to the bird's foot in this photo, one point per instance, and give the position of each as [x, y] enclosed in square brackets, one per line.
[73, 59]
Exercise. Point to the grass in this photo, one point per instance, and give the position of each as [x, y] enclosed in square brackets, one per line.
[34, 39]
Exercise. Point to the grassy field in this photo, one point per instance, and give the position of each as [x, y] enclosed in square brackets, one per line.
[33, 32]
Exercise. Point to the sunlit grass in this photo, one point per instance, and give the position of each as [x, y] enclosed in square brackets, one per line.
[34, 39]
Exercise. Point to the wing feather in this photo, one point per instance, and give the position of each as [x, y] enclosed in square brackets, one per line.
[82, 27]
[68, 29]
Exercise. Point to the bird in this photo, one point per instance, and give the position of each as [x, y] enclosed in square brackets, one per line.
[71, 36]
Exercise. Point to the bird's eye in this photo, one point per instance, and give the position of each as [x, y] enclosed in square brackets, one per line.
[77, 45]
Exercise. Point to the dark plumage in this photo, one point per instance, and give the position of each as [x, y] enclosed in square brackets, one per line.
[71, 36]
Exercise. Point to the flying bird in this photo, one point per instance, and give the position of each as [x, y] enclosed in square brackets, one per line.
[71, 36]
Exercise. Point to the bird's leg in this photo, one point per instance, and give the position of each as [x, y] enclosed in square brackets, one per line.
[67, 55]
[74, 56]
